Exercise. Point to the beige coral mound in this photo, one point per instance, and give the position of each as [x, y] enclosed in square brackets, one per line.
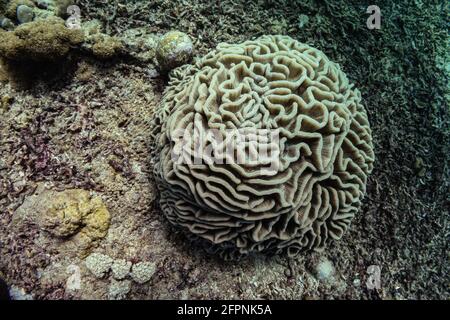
[278, 84]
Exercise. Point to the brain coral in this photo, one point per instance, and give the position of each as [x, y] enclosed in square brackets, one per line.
[325, 148]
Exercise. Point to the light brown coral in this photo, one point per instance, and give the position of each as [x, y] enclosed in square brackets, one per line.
[40, 40]
[273, 82]
[73, 215]
[74, 211]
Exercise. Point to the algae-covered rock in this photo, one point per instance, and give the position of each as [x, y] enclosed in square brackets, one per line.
[174, 49]
[7, 24]
[106, 47]
[140, 44]
[40, 40]
[11, 8]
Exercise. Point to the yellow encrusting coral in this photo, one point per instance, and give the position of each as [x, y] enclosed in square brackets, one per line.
[73, 220]
[75, 211]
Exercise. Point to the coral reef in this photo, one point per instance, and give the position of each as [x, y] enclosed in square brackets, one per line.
[312, 189]
[101, 45]
[74, 211]
[91, 132]
[140, 44]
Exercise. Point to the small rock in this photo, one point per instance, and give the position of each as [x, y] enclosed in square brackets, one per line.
[43, 4]
[17, 293]
[324, 270]
[99, 264]
[302, 20]
[120, 269]
[174, 49]
[140, 44]
[118, 290]
[143, 271]
[5, 101]
[287, 272]
[24, 14]
[7, 24]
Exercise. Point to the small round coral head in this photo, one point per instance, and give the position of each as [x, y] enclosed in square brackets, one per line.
[174, 49]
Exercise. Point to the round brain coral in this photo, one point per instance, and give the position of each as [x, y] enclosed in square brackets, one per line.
[314, 186]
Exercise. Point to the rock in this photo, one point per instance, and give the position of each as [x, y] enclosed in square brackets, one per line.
[140, 44]
[120, 269]
[43, 4]
[99, 264]
[106, 47]
[7, 24]
[24, 14]
[174, 49]
[11, 8]
[118, 290]
[324, 270]
[17, 293]
[302, 21]
[143, 271]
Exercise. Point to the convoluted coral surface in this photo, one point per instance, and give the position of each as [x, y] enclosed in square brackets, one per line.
[318, 170]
